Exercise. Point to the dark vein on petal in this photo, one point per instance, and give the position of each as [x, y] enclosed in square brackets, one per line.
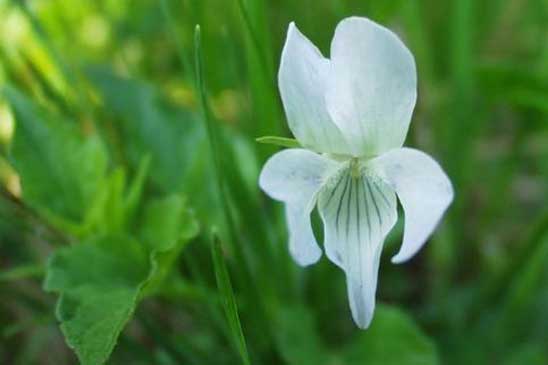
[375, 205]
[334, 190]
[340, 205]
[382, 194]
[348, 207]
[358, 209]
[359, 235]
[367, 212]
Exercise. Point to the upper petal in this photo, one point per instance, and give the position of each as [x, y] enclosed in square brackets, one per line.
[358, 212]
[302, 80]
[295, 176]
[372, 86]
[424, 190]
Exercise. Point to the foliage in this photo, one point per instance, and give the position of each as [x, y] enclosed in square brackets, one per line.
[122, 130]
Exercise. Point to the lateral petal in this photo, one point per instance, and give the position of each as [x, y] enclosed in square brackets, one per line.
[294, 176]
[424, 190]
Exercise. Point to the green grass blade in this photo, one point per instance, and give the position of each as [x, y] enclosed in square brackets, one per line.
[254, 38]
[525, 285]
[205, 110]
[213, 138]
[171, 25]
[22, 272]
[70, 74]
[260, 68]
[496, 286]
[244, 271]
[212, 135]
[464, 127]
[135, 190]
[227, 299]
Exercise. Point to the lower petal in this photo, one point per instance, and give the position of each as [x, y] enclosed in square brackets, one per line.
[358, 211]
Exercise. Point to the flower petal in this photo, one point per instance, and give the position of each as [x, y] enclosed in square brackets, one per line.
[358, 212]
[302, 78]
[294, 176]
[424, 190]
[372, 86]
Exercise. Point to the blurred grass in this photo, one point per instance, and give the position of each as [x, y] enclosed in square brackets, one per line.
[108, 87]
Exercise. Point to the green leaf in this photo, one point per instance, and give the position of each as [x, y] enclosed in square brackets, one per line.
[99, 282]
[61, 168]
[135, 190]
[392, 339]
[114, 207]
[228, 300]
[167, 226]
[279, 141]
[297, 337]
[149, 124]
[171, 136]
[529, 353]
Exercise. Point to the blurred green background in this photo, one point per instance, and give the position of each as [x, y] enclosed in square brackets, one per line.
[115, 167]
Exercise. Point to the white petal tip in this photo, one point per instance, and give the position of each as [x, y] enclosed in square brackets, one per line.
[364, 322]
[399, 259]
[292, 29]
[365, 325]
[305, 255]
[304, 262]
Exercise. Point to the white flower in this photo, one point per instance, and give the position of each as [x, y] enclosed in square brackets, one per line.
[352, 112]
